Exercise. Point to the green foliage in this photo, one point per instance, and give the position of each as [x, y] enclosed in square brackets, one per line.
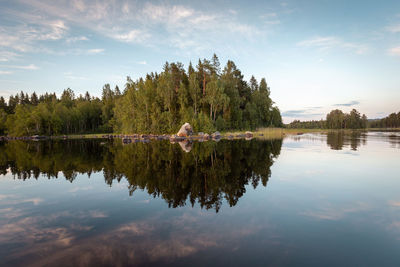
[391, 121]
[207, 97]
[336, 119]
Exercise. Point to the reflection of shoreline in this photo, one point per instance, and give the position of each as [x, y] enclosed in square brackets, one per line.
[338, 140]
[187, 172]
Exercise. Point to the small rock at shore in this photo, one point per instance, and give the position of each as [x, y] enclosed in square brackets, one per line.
[249, 134]
[216, 135]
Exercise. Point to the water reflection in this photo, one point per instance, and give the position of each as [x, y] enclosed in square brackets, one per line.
[204, 173]
[317, 200]
[339, 139]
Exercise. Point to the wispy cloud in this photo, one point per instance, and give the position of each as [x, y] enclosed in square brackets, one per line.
[349, 104]
[133, 36]
[142, 62]
[393, 28]
[5, 72]
[6, 56]
[76, 39]
[71, 76]
[270, 18]
[137, 23]
[29, 30]
[331, 42]
[22, 67]
[394, 51]
[95, 51]
[302, 113]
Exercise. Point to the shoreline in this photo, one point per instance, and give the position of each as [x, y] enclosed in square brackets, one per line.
[262, 133]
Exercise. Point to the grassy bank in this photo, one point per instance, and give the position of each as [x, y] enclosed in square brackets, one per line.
[277, 133]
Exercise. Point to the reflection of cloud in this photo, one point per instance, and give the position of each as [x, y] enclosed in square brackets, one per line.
[26, 231]
[14, 200]
[10, 213]
[97, 214]
[394, 203]
[155, 240]
[83, 188]
[335, 213]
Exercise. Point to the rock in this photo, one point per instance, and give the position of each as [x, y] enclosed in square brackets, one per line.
[249, 134]
[200, 134]
[126, 140]
[185, 130]
[216, 135]
[206, 136]
[175, 138]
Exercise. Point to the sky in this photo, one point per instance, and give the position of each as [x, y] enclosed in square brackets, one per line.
[315, 55]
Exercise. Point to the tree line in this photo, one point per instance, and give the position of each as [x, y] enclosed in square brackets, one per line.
[206, 96]
[391, 121]
[336, 119]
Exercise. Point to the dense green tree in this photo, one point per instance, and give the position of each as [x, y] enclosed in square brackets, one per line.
[206, 96]
[336, 119]
[391, 121]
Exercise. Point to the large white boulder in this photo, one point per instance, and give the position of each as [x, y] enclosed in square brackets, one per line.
[185, 130]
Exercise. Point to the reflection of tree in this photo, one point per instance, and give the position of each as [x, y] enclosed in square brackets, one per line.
[207, 174]
[339, 139]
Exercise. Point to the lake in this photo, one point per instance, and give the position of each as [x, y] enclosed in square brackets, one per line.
[314, 200]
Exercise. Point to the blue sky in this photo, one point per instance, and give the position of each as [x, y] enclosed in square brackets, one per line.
[315, 55]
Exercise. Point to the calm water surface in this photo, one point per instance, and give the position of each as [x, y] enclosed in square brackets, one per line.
[312, 200]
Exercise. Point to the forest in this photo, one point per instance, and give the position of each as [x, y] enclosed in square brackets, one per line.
[336, 119]
[206, 96]
[391, 121]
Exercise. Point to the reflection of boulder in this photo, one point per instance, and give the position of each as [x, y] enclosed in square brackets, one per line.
[186, 145]
[185, 130]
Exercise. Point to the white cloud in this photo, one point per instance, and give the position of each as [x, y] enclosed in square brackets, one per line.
[71, 76]
[330, 42]
[394, 51]
[29, 30]
[5, 72]
[6, 56]
[77, 39]
[393, 28]
[22, 67]
[95, 51]
[142, 62]
[147, 23]
[133, 36]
